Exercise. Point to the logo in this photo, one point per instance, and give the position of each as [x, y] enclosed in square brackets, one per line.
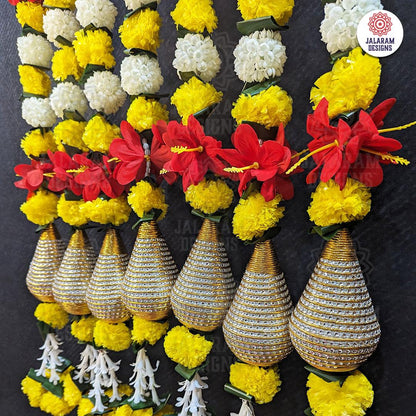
[380, 24]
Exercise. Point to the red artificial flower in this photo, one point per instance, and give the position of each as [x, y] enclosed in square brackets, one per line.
[14, 2]
[33, 175]
[63, 164]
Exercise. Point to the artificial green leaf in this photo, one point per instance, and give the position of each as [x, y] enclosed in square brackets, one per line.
[92, 28]
[212, 217]
[64, 365]
[308, 412]
[253, 186]
[30, 95]
[350, 117]
[152, 6]
[259, 87]
[138, 51]
[152, 215]
[328, 377]
[327, 2]
[63, 41]
[268, 235]
[229, 388]
[327, 233]
[40, 228]
[149, 96]
[338, 55]
[89, 70]
[26, 29]
[181, 31]
[186, 76]
[56, 389]
[73, 115]
[247, 27]
[44, 329]
[203, 114]
[163, 402]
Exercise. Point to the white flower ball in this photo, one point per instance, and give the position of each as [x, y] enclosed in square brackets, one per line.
[58, 22]
[34, 50]
[140, 74]
[135, 4]
[38, 112]
[339, 27]
[259, 56]
[104, 93]
[68, 96]
[101, 13]
[197, 54]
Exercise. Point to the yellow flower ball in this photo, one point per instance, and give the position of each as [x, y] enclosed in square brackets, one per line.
[254, 216]
[51, 314]
[115, 337]
[65, 64]
[143, 113]
[34, 80]
[124, 410]
[30, 14]
[72, 394]
[196, 16]
[143, 197]
[141, 30]
[85, 407]
[271, 108]
[194, 96]
[41, 209]
[37, 142]
[187, 349]
[144, 330]
[210, 196]
[71, 212]
[99, 134]
[331, 206]
[62, 4]
[281, 10]
[94, 47]
[83, 330]
[353, 398]
[33, 390]
[261, 383]
[54, 405]
[114, 211]
[350, 85]
[70, 132]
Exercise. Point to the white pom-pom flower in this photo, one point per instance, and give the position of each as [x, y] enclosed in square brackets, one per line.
[140, 74]
[339, 27]
[135, 4]
[34, 50]
[59, 22]
[197, 54]
[68, 96]
[104, 93]
[38, 112]
[259, 56]
[100, 13]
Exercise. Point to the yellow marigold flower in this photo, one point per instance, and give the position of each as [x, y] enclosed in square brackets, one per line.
[210, 196]
[123, 390]
[254, 216]
[167, 410]
[124, 410]
[261, 383]
[62, 4]
[270, 108]
[70, 132]
[194, 96]
[99, 134]
[65, 64]
[281, 10]
[41, 208]
[353, 398]
[352, 83]
[143, 113]
[36, 143]
[30, 14]
[141, 30]
[55, 406]
[187, 349]
[144, 330]
[51, 314]
[143, 412]
[331, 206]
[143, 197]
[71, 212]
[83, 329]
[115, 211]
[115, 337]
[33, 390]
[85, 407]
[94, 47]
[72, 394]
[34, 80]
[196, 15]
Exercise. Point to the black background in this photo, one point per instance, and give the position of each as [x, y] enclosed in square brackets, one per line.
[385, 240]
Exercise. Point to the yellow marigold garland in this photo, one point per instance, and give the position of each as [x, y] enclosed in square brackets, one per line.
[195, 15]
[37, 142]
[114, 211]
[51, 314]
[115, 337]
[71, 212]
[85, 407]
[281, 10]
[99, 134]
[34, 80]
[33, 390]
[65, 64]
[144, 112]
[72, 394]
[54, 405]
[41, 208]
[70, 132]
[147, 331]
[31, 14]
[83, 330]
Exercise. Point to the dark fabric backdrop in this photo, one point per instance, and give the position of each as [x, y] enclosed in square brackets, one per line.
[385, 240]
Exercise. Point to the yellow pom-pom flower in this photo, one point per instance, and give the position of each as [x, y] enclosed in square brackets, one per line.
[353, 398]
[281, 10]
[83, 330]
[94, 47]
[331, 206]
[115, 337]
[351, 85]
[37, 142]
[85, 407]
[51, 314]
[210, 196]
[194, 96]
[31, 14]
[144, 112]
[33, 390]
[187, 349]
[72, 394]
[41, 208]
[70, 132]
[271, 108]
[34, 80]
[65, 64]
[196, 15]
[54, 405]
[144, 330]
[99, 134]
[114, 211]
[71, 212]
[61, 4]
[141, 30]
[254, 216]
[143, 197]
[261, 383]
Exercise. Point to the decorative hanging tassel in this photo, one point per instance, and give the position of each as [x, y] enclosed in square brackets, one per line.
[192, 401]
[246, 409]
[51, 359]
[88, 358]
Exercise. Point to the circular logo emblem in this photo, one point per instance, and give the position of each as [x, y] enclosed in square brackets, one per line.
[380, 33]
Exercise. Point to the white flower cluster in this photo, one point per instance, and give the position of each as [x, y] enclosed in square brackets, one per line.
[104, 93]
[339, 27]
[140, 74]
[34, 50]
[59, 22]
[259, 56]
[135, 4]
[38, 112]
[101, 13]
[68, 96]
[197, 54]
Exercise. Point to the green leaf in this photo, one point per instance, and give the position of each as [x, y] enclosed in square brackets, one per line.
[91, 27]
[308, 412]
[253, 186]
[44, 329]
[64, 365]
[89, 70]
[63, 41]
[73, 115]
[30, 95]
[163, 402]
[149, 96]
[138, 51]
[350, 117]
[152, 6]
[328, 377]
[152, 215]
[327, 233]
[40, 228]
[338, 55]
[212, 217]
[258, 88]
[71, 150]
[26, 29]
[327, 2]
[229, 388]
[203, 114]
[247, 27]
[56, 389]
[268, 235]
[186, 76]
[181, 31]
